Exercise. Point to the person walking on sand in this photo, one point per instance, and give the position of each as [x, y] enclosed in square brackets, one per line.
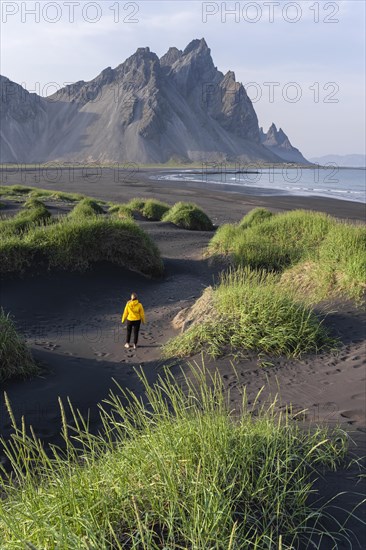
[134, 313]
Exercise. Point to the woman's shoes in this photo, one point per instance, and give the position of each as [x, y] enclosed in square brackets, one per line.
[127, 345]
[134, 346]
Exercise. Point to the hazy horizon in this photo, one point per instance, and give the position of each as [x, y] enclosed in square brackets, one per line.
[301, 62]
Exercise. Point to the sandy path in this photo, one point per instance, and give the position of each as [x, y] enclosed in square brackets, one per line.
[72, 322]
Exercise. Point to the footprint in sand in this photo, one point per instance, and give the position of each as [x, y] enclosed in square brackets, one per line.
[352, 416]
[358, 396]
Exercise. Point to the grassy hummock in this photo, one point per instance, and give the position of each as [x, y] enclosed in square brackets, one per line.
[33, 240]
[188, 216]
[33, 214]
[137, 204]
[16, 360]
[251, 310]
[122, 211]
[178, 473]
[76, 243]
[330, 253]
[86, 208]
[154, 210]
[13, 191]
[151, 209]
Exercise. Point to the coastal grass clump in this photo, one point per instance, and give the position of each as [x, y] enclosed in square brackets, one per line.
[137, 204]
[14, 190]
[338, 267]
[122, 211]
[151, 209]
[252, 310]
[320, 255]
[254, 217]
[34, 213]
[78, 242]
[57, 195]
[16, 361]
[154, 210]
[178, 472]
[275, 243]
[188, 216]
[86, 208]
[33, 203]
[35, 192]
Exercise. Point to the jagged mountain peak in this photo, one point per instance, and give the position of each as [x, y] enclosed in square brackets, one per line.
[276, 137]
[272, 129]
[170, 57]
[230, 75]
[145, 110]
[197, 45]
[278, 142]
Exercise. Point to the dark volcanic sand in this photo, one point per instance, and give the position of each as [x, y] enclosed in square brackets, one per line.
[72, 323]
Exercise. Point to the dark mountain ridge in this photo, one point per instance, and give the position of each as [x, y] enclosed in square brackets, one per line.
[146, 110]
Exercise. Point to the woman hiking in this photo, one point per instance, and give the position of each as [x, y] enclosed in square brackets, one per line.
[134, 313]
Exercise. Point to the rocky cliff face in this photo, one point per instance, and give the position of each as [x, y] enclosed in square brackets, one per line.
[145, 110]
[278, 142]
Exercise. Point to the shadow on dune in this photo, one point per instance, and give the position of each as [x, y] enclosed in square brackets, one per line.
[85, 382]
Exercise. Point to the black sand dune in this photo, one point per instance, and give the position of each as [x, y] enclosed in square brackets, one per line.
[72, 323]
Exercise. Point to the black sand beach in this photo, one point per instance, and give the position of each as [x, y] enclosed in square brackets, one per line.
[72, 322]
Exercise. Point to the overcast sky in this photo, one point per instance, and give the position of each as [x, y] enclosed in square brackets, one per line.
[309, 51]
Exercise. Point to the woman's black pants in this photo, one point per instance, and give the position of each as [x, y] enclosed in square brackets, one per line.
[136, 327]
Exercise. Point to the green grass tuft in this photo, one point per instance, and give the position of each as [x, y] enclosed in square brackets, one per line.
[336, 268]
[33, 203]
[251, 310]
[178, 473]
[122, 211]
[33, 214]
[76, 243]
[16, 360]
[254, 217]
[275, 243]
[154, 210]
[12, 190]
[137, 205]
[35, 192]
[188, 216]
[300, 238]
[86, 208]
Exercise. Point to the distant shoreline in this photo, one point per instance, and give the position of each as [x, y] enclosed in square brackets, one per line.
[229, 167]
[223, 204]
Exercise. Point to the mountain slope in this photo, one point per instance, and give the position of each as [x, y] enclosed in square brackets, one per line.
[278, 142]
[145, 110]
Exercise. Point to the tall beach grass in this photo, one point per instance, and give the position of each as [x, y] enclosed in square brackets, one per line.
[329, 252]
[251, 310]
[178, 472]
[16, 361]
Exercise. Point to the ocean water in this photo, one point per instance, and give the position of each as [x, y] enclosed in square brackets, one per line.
[336, 183]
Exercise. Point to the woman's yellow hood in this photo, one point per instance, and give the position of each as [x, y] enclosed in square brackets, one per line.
[133, 311]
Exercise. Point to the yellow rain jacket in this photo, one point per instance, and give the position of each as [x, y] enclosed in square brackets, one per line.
[133, 312]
